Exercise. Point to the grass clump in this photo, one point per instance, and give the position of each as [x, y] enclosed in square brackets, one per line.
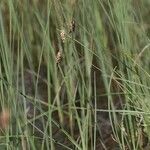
[74, 74]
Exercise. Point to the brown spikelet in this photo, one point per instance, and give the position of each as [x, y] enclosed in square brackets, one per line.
[72, 26]
[63, 35]
[58, 57]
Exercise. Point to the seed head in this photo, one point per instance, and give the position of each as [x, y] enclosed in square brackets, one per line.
[63, 35]
[72, 26]
[58, 57]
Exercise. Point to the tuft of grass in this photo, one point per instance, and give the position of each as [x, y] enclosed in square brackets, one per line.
[74, 74]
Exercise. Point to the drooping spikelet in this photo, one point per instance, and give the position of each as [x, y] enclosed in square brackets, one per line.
[63, 35]
[72, 26]
[59, 57]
